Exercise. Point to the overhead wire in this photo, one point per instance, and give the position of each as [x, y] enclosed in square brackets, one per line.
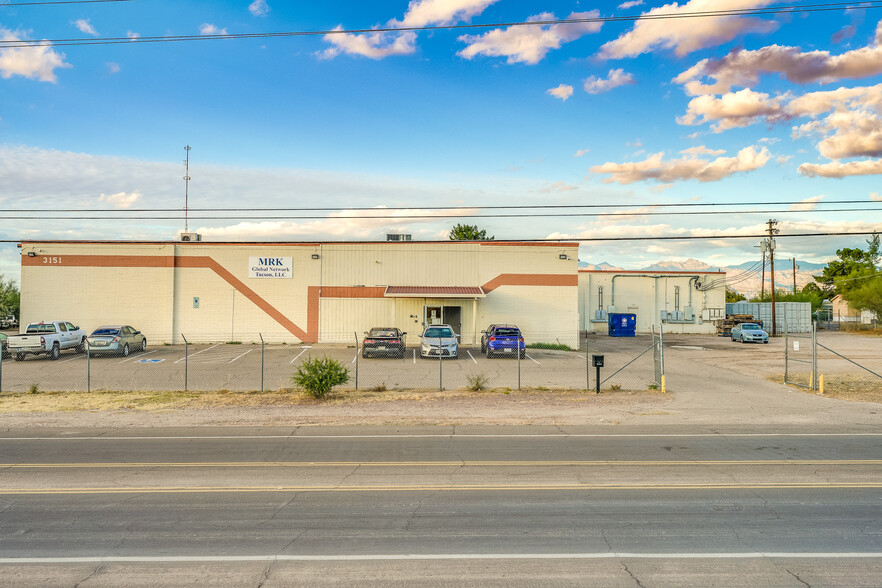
[792, 9]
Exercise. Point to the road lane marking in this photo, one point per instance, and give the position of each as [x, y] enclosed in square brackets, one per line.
[238, 356]
[198, 352]
[525, 463]
[531, 359]
[470, 355]
[438, 556]
[441, 488]
[299, 354]
[140, 355]
[301, 437]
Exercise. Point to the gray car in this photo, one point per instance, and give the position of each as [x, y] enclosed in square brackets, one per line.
[116, 340]
[749, 333]
[439, 341]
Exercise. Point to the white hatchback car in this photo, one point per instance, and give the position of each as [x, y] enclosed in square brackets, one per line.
[439, 341]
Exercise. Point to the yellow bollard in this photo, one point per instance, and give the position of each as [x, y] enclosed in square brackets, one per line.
[664, 390]
[811, 380]
[821, 384]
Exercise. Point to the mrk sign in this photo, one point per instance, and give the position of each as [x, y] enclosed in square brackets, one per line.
[270, 267]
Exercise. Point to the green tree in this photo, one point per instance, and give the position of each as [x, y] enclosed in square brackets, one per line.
[867, 296]
[10, 298]
[733, 296]
[468, 233]
[839, 275]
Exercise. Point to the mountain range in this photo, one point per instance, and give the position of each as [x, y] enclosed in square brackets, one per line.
[745, 278]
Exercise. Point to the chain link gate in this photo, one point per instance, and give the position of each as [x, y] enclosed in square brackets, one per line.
[801, 359]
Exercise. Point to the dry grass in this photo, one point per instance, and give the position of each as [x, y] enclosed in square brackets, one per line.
[157, 401]
[852, 387]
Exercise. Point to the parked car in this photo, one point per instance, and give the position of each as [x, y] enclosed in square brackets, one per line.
[47, 337]
[383, 341]
[116, 340]
[4, 344]
[749, 333]
[440, 341]
[504, 339]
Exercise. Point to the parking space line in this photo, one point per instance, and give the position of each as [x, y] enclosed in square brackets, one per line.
[141, 355]
[198, 352]
[531, 359]
[354, 357]
[470, 355]
[72, 358]
[414, 356]
[299, 354]
[243, 355]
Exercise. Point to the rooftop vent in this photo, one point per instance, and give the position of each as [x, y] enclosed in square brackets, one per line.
[396, 237]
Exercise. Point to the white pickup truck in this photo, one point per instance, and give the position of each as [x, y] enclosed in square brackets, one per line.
[48, 337]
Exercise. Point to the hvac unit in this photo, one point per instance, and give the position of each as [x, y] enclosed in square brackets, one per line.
[191, 237]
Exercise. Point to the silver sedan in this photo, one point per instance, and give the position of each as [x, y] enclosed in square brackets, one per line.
[117, 340]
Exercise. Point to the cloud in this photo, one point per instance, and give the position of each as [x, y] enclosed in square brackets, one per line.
[581, 152]
[370, 45]
[210, 29]
[559, 187]
[846, 32]
[615, 78]
[837, 169]
[259, 8]
[876, 196]
[630, 4]
[121, 199]
[743, 67]
[702, 150]
[133, 35]
[421, 13]
[563, 92]
[531, 43]
[735, 109]
[85, 26]
[686, 168]
[112, 68]
[807, 203]
[782, 159]
[685, 35]
[34, 62]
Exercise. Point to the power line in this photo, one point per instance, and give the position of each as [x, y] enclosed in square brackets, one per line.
[829, 6]
[545, 240]
[60, 2]
[461, 207]
[44, 217]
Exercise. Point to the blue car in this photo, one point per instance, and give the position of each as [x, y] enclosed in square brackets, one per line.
[749, 333]
[502, 340]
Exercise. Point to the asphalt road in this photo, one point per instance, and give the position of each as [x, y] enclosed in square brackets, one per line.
[486, 506]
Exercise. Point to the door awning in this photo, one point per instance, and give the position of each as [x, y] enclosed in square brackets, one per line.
[434, 292]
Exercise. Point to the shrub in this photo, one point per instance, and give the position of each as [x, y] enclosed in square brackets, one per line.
[477, 382]
[554, 346]
[34, 389]
[318, 376]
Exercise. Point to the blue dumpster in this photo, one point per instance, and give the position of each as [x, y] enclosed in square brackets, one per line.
[622, 325]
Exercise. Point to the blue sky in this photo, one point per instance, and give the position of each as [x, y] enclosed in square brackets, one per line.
[722, 110]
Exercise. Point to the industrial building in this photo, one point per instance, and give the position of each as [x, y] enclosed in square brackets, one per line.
[685, 302]
[303, 292]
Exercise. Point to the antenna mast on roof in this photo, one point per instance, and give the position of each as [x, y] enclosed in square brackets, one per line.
[186, 188]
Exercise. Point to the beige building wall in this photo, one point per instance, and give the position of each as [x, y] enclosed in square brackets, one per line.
[203, 291]
[647, 294]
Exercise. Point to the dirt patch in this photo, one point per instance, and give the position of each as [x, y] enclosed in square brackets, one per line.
[852, 387]
[406, 401]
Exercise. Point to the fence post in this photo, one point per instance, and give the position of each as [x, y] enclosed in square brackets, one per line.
[1, 370]
[186, 350]
[786, 354]
[356, 360]
[814, 356]
[261, 361]
[440, 366]
[661, 352]
[518, 349]
[587, 366]
[88, 367]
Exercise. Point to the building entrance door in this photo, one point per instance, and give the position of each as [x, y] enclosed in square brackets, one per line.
[452, 315]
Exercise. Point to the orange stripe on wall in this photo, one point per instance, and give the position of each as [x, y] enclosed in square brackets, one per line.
[352, 292]
[531, 280]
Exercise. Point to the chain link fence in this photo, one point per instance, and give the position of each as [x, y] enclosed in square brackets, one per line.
[630, 363]
[834, 362]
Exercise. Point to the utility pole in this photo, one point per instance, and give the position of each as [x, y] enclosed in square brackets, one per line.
[772, 232]
[794, 275]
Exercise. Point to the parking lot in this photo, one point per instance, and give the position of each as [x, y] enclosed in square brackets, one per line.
[238, 367]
